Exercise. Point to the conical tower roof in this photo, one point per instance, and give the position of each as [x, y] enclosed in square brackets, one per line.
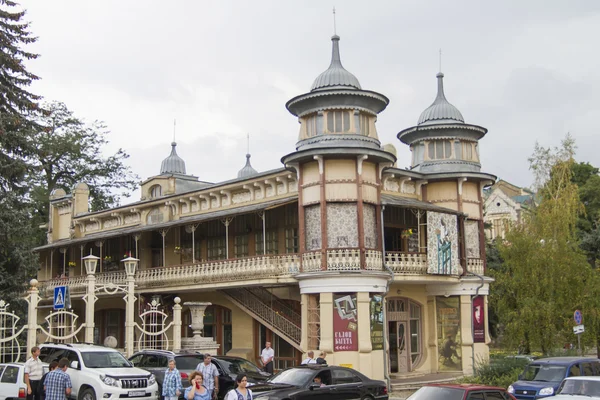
[441, 111]
[247, 170]
[173, 164]
[336, 76]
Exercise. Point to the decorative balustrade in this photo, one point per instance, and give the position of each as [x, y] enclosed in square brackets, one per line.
[373, 260]
[343, 259]
[407, 263]
[475, 265]
[311, 262]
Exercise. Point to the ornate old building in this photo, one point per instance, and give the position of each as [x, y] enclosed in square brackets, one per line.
[338, 250]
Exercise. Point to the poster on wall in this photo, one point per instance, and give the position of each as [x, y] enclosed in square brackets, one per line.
[448, 328]
[442, 244]
[345, 322]
[478, 320]
[376, 308]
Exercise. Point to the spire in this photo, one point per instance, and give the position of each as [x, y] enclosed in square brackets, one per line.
[336, 76]
[173, 164]
[440, 111]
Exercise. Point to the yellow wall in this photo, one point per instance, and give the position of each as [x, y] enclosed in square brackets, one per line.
[442, 191]
[310, 173]
[340, 169]
[341, 191]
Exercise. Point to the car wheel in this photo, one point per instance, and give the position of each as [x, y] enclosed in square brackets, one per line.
[88, 394]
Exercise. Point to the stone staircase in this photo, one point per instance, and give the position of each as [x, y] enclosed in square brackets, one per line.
[269, 310]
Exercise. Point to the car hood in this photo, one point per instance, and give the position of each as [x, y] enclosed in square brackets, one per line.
[534, 385]
[123, 372]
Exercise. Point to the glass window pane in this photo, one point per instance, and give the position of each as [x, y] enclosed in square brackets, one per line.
[338, 121]
[439, 149]
[431, 150]
[330, 117]
[346, 120]
[447, 149]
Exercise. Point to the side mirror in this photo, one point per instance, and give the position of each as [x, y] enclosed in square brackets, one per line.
[314, 386]
[74, 364]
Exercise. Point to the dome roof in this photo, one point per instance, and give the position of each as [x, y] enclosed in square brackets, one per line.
[173, 164]
[441, 111]
[247, 170]
[336, 76]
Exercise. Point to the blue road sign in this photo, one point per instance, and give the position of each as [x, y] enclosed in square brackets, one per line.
[60, 297]
[578, 316]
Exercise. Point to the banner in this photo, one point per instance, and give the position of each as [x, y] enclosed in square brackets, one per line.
[345, 322]
[376, 307]
[478, 320]
[448, 328]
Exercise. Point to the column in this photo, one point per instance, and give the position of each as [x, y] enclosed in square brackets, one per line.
[33, 300]
[129, 315]
[177, 325]
[466, 330]
[364, 333]
[432, 345]
[90, 299]
[304, 299]
[326, 319]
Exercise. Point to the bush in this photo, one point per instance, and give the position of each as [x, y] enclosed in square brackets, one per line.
[500, 371]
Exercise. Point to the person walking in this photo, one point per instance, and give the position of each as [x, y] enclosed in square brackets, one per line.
[34, 369]
[197, 391]
[172, 387]
[41, 392]
[266, 357]
[210, 374]
[241, 392]
[310, 359]
[321, 359]
[58, 383]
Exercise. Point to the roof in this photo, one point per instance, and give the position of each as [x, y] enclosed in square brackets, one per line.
[336, 75]
[247, 170]
[407, 202]
[182, 221]
[440, 111]
[173, 164]
[562, 360]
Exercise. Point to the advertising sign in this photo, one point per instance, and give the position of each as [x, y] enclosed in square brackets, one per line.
[345, 322]
[448, 328]
[376, 322]
[478, 320]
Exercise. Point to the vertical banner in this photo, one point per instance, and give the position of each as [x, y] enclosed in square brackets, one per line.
[478, 320]
[448, 328]
[376, 308]
[345, 322]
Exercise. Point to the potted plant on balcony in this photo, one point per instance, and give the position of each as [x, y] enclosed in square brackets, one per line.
[177, 250]
[72, 264]
[406, 233]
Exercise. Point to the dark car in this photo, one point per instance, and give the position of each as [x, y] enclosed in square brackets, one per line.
[339, 383]
[157, 361]
[460, 392]
[542, 377]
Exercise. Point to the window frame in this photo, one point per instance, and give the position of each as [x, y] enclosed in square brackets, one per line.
[339, 121]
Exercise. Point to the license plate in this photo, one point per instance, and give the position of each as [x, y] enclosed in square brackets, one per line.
[136, 393]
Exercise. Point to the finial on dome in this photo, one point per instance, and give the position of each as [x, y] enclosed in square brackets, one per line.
[173, 164]
[440, 111]
[334, 25]
[247, 170]
[336, 76]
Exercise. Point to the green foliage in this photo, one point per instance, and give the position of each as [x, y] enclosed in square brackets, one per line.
[500, 371]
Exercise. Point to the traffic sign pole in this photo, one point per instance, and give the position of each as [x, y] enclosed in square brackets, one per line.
[578, 317]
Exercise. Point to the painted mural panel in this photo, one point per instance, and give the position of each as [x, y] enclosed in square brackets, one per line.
[442, 244]
[472, 239]
[345, 322]
[312, 216]
[370, 226]
[342, 225]
[478, 320]
[448, 333]
[376, 308]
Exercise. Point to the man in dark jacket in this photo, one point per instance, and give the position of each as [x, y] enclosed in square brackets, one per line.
[41, 394]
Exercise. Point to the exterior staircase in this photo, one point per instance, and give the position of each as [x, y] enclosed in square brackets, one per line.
[269, 310]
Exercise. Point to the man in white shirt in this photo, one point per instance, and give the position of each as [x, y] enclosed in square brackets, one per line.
[310, 359]
[266, 357]
[210, 375]
[34, 370]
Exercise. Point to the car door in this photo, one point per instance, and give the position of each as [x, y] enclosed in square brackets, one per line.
[76, 379]
[9, 386]
[346, 385]
[494, 395]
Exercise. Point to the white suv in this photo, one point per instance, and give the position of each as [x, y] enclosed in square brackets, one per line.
[99, 372]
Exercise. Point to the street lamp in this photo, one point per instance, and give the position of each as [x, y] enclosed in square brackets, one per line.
[91, 262]
[130, 265]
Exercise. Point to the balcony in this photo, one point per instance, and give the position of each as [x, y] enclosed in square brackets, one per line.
[475, 265]
[232, 270]
[347, 259]
[407, 263]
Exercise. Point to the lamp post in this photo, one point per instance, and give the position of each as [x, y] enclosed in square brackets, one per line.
[90, 262]
[130, 267]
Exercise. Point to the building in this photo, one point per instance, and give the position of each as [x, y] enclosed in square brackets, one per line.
[504, 205]
[338, 250]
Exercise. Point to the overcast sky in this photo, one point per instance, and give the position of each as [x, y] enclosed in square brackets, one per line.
[526, 70]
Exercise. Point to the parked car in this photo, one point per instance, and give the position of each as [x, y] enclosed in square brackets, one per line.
[99, 372]
[460, 392]
[579, 387]
[12, 381]
[541, 378]
[157, 362]
[340, 383]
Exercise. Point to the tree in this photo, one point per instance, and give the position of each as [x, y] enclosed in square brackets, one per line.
[67, 151]
[544, 273]
[17, 104]
[588, 181]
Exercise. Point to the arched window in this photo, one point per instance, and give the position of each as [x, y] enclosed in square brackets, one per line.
[155, 191]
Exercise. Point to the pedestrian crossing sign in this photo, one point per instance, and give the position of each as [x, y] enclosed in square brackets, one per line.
[61, 298]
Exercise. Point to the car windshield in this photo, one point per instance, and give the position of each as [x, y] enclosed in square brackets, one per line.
[581, 387]
[438, 392]
[544, 373]
[104, 359]
[293, 376]
[238, 365]
[188, 362]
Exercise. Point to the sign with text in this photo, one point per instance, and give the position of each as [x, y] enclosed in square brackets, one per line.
[345, 322]
[376, 308]
[478, 320]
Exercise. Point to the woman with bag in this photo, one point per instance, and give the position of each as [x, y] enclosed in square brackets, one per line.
[241, 392]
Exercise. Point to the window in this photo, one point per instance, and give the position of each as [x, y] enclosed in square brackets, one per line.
[574, 370]
[271, 242]
[10, 375]
[311, 126]
[341, 376]
[467, 151]
[155, 191]
[292, 242]
[338, 121]
[476, 396]
[494, 396]
[439, 149]
[216, 248]
[241, 246]
[588, 369]
[365, 124]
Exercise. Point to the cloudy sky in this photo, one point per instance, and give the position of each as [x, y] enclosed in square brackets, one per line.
[526, 70]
